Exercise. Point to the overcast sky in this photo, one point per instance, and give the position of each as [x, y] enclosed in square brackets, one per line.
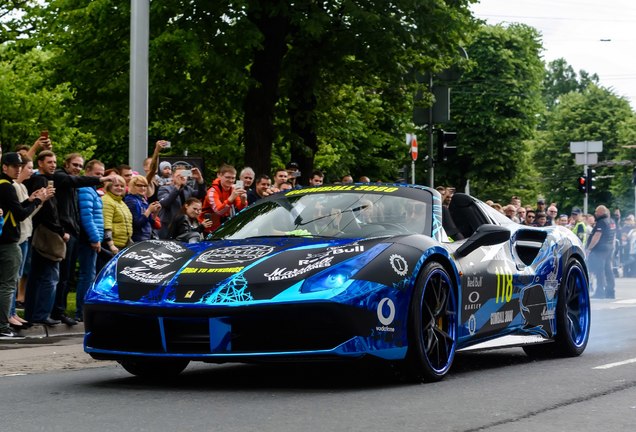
[597, 36]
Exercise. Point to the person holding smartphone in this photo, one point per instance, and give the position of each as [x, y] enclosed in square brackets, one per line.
[224, 198]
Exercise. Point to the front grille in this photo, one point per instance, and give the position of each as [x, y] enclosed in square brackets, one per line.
[250, 330]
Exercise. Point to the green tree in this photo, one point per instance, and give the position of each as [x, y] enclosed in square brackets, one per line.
[244, 79]
[28, 105]
[561, 79]
[594, 114]
[495, 109]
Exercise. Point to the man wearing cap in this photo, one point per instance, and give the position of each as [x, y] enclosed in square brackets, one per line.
[293, 173]
[14, 212]
[540, 206]
[578, 225]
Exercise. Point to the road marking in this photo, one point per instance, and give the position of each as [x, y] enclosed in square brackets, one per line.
[13, 374]
[627, 301]
[620, 363]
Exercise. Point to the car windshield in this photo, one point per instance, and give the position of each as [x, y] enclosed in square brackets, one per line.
[346, 215]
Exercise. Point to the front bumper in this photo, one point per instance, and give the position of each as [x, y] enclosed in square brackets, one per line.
[317, 330]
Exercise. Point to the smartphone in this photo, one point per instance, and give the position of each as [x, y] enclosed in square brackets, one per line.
[50, 183]
[186, 173]
[208, 216]
[44, 134]
[238, 184]
[167, 144]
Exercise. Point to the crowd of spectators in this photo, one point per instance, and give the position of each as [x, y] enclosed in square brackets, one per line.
[609, 242]
[52, 217]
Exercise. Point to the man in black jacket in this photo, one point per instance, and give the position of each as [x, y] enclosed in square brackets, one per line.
[45, 261]
[10, 253]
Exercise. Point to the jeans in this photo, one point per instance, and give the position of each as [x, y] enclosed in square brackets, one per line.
[87, 263]
[10, 257]
[25, 246]
[40, 291]
[67, 270]
[601, 265]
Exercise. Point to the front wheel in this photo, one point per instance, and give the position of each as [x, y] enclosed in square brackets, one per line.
[432, 325]
[154, 368]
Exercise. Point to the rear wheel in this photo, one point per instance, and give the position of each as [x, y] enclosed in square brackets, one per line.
[572, 315]
[432, 325]
[154, 368]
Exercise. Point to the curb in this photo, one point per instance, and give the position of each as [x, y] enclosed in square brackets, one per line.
[39, 331]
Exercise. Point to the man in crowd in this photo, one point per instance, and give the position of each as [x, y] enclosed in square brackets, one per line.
[600, 251]
[13, 212]
[91, 234]
[53, 220]
[552, 214]
[126, 172]
[293, 173]
[316, 178]
[578, 225]
[172, 196]
[262, 188]
[223, 199]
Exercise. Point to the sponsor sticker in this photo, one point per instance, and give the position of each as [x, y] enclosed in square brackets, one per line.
[386, 315]
[399, 264]
[143, 274]
[501, 317]
[194, 270]
[335, 250]
[171, 246]
[234, 254]
[281, 273]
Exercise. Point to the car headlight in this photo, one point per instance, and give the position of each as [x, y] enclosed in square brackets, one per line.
[340, 276]
[105, 287]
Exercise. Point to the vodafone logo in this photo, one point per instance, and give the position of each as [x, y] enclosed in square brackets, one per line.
[386, 319]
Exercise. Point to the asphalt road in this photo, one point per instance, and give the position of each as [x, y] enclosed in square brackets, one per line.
[501, 390]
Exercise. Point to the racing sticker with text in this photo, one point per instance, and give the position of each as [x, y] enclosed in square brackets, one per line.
[279, 272]
[490, 300]
[146, 265]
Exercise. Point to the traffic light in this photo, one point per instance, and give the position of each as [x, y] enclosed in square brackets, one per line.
[582, 184]
[444, 148]
[591, 179]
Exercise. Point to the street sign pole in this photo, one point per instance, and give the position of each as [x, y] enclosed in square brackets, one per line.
[587, 183]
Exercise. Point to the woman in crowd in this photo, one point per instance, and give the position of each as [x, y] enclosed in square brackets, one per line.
[144, 215]
[26, 229]
[185, 226]
[118, 228]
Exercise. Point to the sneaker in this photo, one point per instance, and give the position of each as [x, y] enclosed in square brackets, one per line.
[9, 335]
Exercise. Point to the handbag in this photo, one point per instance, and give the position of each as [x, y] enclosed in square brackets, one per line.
[48, 243]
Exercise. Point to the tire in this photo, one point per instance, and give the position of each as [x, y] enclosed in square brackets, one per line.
[154, 368]
[432, 326]
[572, 316]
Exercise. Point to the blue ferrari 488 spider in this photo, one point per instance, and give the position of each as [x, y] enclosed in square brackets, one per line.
[344, 272]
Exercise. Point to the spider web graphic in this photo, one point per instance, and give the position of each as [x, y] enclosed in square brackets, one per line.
[232, 292]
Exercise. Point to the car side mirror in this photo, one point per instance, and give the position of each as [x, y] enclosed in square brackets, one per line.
[485, 235]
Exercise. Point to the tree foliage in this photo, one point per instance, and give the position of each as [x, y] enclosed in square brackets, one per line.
[495, 108]
[28, 105]
[594, 114]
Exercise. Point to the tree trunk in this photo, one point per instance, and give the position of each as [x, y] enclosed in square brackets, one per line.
[261, 98]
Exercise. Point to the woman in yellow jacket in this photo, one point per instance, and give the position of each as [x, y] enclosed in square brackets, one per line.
[117, 217]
